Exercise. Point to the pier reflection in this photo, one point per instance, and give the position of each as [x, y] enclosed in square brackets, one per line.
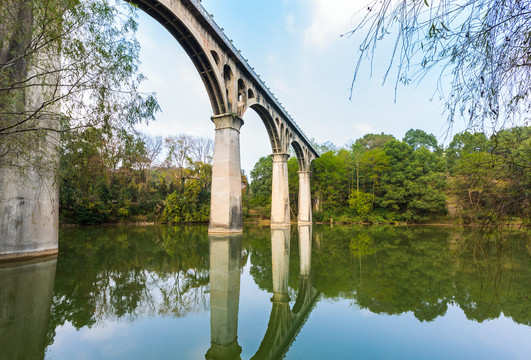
[225, 272]
[284, 322]
[25, 297]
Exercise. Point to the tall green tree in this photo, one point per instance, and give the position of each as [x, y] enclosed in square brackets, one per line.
[261, 185]
[415, 183]
[417, 138]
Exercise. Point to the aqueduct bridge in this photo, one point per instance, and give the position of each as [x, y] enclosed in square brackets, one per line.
[29, 223]
[233, 87]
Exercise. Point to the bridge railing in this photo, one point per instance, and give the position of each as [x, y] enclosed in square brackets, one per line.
[208, 17]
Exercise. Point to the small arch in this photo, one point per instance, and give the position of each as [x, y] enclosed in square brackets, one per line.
[228, 79]
[227, 73]
[215, 56]
[269, 123]
[250, 94]
[299, 152]
[241, 91]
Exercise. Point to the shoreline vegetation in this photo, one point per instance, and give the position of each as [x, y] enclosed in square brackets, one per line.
[267, 222]
[109, 178]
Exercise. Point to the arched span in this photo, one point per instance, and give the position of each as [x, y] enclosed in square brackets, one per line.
[269, 124]
[166, 12]
[301, 158]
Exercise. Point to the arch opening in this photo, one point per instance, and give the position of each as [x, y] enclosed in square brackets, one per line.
[215, 56]
[183, 31]
[299, 153]
[269, 124]
[242, 96]
[228, 79]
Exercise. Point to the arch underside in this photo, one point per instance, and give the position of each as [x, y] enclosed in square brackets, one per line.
[201, 57]
[191, 46]
[300, 155]
[285, 324]
[269, 124]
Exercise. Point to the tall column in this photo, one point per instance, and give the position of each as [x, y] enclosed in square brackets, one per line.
[280, 191]
[29, 192]
[224, 296]
[29, 211]
[305, 198]
[305, 249]
[280, 249]
[226, 196]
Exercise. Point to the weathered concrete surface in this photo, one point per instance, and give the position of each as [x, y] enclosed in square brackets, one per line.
[305, 198]
[224, 296]
[26, 296]
[29, 194]
[280, 191]
[29, 217]
[226, 195]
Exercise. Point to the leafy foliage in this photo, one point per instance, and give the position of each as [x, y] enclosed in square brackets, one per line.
[484, 46]
[66, 65]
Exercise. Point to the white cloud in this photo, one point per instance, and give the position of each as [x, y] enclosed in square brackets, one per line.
[363, 128]
[290, 23]
[103, 332]
[330, 18]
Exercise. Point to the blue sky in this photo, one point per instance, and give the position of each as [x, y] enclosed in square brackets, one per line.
[294, 46]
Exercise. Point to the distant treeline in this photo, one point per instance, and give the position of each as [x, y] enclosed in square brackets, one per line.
[116, 176]
[381, 179]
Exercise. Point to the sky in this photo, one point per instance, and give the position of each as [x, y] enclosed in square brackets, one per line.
[296, 48]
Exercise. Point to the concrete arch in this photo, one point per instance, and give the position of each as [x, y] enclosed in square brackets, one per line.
[193, 44]
[269, 124]
[302, 156]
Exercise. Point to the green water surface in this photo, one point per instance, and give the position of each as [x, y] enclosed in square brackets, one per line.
[162, 292]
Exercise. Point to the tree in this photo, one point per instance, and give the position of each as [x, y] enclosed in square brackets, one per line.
[465, 143]
[491, 177]
[261, 184]
[371, 141]
[64, 65]
[417, 138]
[413, 187]
[484, 45]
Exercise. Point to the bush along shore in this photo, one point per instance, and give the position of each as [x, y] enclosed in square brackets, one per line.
[118, 177]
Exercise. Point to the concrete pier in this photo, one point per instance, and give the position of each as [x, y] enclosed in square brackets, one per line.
[226, 194]
[224, 296]
[29, 191]
[280, 216]
[305, 198]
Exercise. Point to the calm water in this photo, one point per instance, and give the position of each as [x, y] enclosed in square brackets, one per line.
[321, 293]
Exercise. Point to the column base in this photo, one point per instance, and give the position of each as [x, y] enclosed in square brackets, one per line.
[214, 231]
[304, 222]
[281, 225]
[28, 255]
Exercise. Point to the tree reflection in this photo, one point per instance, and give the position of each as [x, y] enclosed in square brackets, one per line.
[129, 272]
[119, 272]
[423, 270]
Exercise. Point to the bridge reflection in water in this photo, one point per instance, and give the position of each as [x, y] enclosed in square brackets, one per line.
[25, 299]
[284, 322]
